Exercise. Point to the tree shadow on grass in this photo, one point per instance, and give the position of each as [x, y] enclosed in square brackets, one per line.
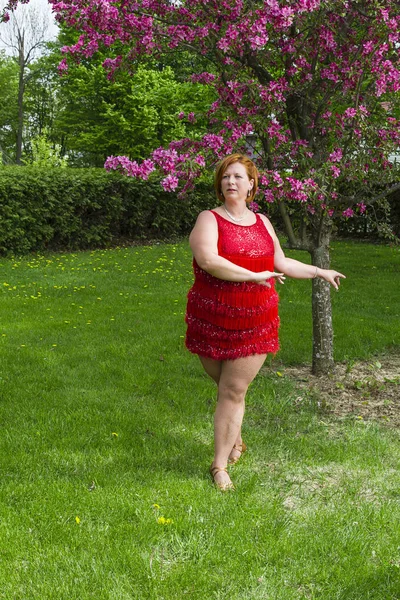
[382, 584]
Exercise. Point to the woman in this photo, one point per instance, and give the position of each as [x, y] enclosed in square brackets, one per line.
[232, 311]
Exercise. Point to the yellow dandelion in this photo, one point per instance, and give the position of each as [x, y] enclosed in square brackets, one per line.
[77, 519]
[156, 506]
[164, 521]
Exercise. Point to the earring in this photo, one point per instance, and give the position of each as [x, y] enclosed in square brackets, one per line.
[248, 193]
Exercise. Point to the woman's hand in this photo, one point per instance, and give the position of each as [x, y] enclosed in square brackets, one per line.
[263, 277]
[332, 277]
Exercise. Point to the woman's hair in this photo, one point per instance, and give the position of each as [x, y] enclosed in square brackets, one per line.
[251, 170]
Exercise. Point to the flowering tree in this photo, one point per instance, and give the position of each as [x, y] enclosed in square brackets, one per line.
[312, 84]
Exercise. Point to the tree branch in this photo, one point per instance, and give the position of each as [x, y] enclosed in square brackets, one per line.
[384, 194]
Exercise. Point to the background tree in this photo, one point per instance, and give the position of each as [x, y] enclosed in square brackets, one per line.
[8, 107]
[129, 115]
[92, 116]
[25, 35]
[42, 97]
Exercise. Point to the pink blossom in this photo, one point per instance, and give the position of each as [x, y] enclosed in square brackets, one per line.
[362, 207]
[146, 168]
[166, 159]
[277, 178]
[63, 66]
[335, 171]
[223, 44]
[111, 64]
[269, 196]
[295, 184]
[349, 212]
[350, 113]
[336, 155]
[258, 41]
[212, 141]
[310, 183]
[199, 159]
[206, 78]
[170, 183]
[368, 47]
[254, 207]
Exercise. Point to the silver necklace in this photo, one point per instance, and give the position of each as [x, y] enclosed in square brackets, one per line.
[234, 218]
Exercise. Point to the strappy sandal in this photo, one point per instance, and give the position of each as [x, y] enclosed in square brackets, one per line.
[224, 487]
[240, 448]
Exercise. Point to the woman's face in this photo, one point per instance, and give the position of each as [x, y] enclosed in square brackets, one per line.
[235, 182]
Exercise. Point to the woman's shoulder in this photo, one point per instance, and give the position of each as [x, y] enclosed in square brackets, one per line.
[267, 223]
[205, 220]
[207, 215]
[265, 219]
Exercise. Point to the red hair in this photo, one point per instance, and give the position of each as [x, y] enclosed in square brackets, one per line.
[251, 171]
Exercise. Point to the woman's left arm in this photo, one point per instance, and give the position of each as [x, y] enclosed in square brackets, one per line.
[298, 270]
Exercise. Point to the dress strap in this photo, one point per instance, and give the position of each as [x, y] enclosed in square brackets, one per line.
[222, 221]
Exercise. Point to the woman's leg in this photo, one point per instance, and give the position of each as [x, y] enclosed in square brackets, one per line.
[213, 369]
[235, 378]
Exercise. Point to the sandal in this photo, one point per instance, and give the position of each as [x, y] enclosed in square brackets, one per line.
[224, 487]
[240, 448]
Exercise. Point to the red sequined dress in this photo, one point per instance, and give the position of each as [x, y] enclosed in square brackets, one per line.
[228, 320]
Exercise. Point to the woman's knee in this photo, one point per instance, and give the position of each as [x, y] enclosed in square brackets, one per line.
[233, 391]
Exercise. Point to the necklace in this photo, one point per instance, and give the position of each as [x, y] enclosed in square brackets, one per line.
[234, 218]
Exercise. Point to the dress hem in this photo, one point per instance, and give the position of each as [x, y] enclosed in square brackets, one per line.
[227, 355]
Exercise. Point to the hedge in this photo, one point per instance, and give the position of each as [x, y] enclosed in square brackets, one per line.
[71, 209]
[76, 209]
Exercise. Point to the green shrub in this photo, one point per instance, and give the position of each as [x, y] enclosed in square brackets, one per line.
[62, 208]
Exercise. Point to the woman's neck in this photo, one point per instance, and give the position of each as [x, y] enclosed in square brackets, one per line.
[236, 211]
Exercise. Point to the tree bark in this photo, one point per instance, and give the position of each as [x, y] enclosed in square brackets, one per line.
[322, 359]
[21, 91]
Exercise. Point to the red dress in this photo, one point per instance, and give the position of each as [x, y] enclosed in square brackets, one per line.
[228, 320]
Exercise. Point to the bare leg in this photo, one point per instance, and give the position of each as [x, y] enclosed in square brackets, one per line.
[236, 376]
[213, 369]
[238, 442]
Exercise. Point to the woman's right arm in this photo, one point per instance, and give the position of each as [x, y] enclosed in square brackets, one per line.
[204, 244]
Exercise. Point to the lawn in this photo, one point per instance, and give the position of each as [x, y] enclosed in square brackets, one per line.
[106, 425]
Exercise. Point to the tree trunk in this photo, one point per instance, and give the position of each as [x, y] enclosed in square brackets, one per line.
[21, 90]
[322, 361]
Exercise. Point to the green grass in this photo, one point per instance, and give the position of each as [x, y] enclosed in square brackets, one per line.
[104, 414]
